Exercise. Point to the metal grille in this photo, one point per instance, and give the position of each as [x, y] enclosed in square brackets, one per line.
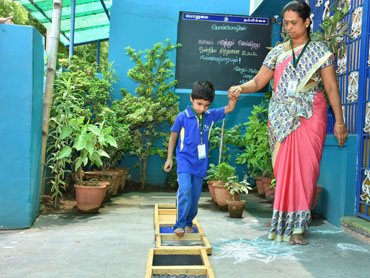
[353, 82]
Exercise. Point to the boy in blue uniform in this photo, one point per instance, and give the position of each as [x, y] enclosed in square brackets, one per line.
[194, 126]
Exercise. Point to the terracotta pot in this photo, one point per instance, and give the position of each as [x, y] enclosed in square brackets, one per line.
[118, 179]
[106, 176]
[235, 208]
[266, 181]
[89, 198]
[222, 194]
[211, 190]
[126, 172]
[260, 188]
[316, 196]
[270, 194]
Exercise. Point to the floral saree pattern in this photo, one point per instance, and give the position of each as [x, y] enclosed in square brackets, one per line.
[297, 130]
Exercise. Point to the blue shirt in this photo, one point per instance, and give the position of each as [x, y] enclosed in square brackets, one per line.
[188, 127]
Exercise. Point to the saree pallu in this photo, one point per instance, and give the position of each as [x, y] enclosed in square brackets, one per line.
[297, 130]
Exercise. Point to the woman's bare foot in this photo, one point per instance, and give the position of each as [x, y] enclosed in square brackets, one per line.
[267, 224]
[298, 239]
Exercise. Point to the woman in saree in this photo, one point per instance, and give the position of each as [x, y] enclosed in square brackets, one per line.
[297, 119]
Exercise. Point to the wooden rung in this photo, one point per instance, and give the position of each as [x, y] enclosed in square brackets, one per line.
[204, 269]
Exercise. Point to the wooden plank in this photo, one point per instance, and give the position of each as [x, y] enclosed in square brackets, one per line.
[149, 264]
[204, 242]
[179, 269]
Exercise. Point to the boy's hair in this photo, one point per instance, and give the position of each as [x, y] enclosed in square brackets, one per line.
[203, 90]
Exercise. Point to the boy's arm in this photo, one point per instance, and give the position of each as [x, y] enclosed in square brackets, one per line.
[231, 105]
[171, 146]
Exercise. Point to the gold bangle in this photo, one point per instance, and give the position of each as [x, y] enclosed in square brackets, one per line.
[340, 125]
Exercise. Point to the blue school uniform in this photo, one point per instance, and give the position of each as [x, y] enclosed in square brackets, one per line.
[190, 169]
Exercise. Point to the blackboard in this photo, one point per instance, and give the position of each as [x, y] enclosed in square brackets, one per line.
[224, 49]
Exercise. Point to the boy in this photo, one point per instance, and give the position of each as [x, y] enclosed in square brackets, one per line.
[194, 126]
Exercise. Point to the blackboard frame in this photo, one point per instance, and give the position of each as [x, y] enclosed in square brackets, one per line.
[222, 48]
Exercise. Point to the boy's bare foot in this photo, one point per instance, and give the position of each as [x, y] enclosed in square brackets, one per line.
[267, 224]
[179, 231]
[189, 229]
[298, 239]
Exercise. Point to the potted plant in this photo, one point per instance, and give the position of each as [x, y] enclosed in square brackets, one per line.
[88, 146]
[236, 206]
[257, 154]
[221, 173]
[270, 191]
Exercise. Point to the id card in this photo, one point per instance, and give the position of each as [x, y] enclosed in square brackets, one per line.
[292, 87]
[202, 151]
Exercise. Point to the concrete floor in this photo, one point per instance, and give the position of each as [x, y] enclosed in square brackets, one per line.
[115, 243]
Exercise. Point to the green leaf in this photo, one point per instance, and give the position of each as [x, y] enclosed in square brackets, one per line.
[81, 142]
[65, 132]
[94, 129]
[111, 141]
[103, 153]
[65, 152]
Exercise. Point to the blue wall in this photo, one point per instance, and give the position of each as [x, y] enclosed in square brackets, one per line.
[141, 24]
[21, 100]
[338, 170]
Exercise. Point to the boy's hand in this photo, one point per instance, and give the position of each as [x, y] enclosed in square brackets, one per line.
[234, 92]
[168, 165]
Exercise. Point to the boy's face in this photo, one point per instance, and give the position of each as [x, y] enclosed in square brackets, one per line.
[200, 105]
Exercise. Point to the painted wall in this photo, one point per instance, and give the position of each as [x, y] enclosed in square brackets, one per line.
[21, 93]
[338, 170]
[141, 24]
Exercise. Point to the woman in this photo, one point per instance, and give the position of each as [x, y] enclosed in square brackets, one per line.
[297, 119]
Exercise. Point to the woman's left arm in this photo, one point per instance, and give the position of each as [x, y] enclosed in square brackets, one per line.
[329, 78]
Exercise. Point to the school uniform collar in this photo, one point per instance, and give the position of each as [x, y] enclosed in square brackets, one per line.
[191, 114]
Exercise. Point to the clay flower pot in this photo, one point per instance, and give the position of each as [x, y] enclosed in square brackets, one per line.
[222, 194]
[211, 190]
[89, 198]
[235, 208]
[260, 187]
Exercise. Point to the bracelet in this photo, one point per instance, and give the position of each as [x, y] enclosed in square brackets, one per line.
[340, 125]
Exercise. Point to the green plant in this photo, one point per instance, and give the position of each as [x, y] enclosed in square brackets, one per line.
[231, 142]
[67, 106]
[89, 142]
[154, 106]
[257, 153]
[236, 187]
[333, 29]
[221, 172]
[273, 183]
[80, 98]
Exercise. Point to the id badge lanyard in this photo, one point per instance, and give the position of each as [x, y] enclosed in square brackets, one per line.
[201, 147]
[293, 84]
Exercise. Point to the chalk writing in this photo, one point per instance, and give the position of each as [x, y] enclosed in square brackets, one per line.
[242, 250]
[207, 42]
[219, 60]
[226, 52]
[226, 43]
[226, 27]
[208, 50]
[249, 53]
[253, 45]
[245, 70]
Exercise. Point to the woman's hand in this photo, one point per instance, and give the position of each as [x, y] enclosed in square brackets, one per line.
[341, 132]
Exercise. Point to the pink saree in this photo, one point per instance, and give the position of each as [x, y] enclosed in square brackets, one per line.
[297, 130]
